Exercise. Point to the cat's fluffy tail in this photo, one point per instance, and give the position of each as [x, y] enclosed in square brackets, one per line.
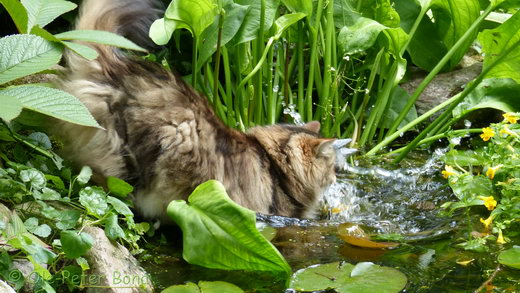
[129, 18]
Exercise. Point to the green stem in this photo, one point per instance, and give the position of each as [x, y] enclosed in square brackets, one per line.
[194, 73]
[258, 65]
[301, 72]
[258, 93]
[438, 68]
[312, 61]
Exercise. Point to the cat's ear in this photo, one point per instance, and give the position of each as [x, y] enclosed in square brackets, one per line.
[325, 147]
[313, 126]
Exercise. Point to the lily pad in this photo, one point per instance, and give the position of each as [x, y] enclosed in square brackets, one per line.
[344, 277]
[204, 287]
[510, 257]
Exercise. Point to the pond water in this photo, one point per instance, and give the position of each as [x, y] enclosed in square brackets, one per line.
[382, 200]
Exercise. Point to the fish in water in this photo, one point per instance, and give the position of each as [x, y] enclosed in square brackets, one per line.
[163, 137]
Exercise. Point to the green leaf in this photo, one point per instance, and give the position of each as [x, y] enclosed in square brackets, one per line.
[233, 19]
[120, 206]
[186, 288]
[35, 178]
[231, 240]
[285, 21]
[22, 55]
[82, 50]
[112, 228]
[204, 287]
[119, 187]
[75, 243]
[303, 6]
[161, 30]
[94, 200]
[344, 277]
[510, 257]
[249, 29]
[11, 107]
[52, 102]
[40, 139]
[436, 35]
[101, 37]
[67, 219]
[195, 15]
[42, 12]
[464, 158]
[32, 226]
[360, 36]
[496, 93]
[495, 42]
[84, 175]
[17, 13]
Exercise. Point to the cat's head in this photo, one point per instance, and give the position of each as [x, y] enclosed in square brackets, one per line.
[307, 161]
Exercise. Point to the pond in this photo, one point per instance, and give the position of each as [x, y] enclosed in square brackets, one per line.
[382, 200]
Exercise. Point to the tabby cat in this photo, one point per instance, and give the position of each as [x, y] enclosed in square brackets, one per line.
[164, 138]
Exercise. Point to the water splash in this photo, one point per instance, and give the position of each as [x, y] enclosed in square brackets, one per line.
[404, 200]
[291, 111]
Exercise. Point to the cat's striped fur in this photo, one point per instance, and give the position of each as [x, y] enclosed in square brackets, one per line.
[163, 136]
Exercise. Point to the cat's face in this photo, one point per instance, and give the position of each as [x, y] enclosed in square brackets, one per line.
[307, 160]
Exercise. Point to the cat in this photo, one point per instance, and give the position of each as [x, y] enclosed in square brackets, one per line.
[164, 137]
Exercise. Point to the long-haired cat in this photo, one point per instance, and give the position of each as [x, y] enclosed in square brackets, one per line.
[164, 137]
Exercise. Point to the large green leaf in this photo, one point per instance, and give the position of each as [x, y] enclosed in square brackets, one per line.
[52, 102]
[195, 15]
[233, 19]
[496, 41]
[11, 107]
[510, 257]
[22, 55]
[381, 11]
[102, 37]
[436, 35]
[161, 30]
[249, 29]
[220, 234]
[17, 13]
[285, 21]
[343, 277]
[496, 93]
[42, 12]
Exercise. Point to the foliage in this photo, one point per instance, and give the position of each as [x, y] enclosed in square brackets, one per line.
[345, 277]
[230, 238]
[510, 257]
[44, 208]
[338, 61]
[489, 177]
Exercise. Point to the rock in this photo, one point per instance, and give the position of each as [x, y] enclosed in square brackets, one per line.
[4, 288]
[442, 87]
[113, 267]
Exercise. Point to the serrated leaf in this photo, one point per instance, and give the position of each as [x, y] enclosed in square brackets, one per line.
[75, 243]
[232, 241]
[52, 102]
[35, 178]
[101, 37]
[119, 187]
[94, 199]
[22, 55]
[42, 12]
[11, 107]
[17, 12]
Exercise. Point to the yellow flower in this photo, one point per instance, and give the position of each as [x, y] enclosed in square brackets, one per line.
[500, 238]
[491, 171]
[510, 117]
[489, 202]
[506, 130]
[448, 171]
[487, 222]
[487, 133]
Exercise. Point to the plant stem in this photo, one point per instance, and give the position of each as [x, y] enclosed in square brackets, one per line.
[258, 93]
[312, 61]
[194, 73]
[438, 68]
